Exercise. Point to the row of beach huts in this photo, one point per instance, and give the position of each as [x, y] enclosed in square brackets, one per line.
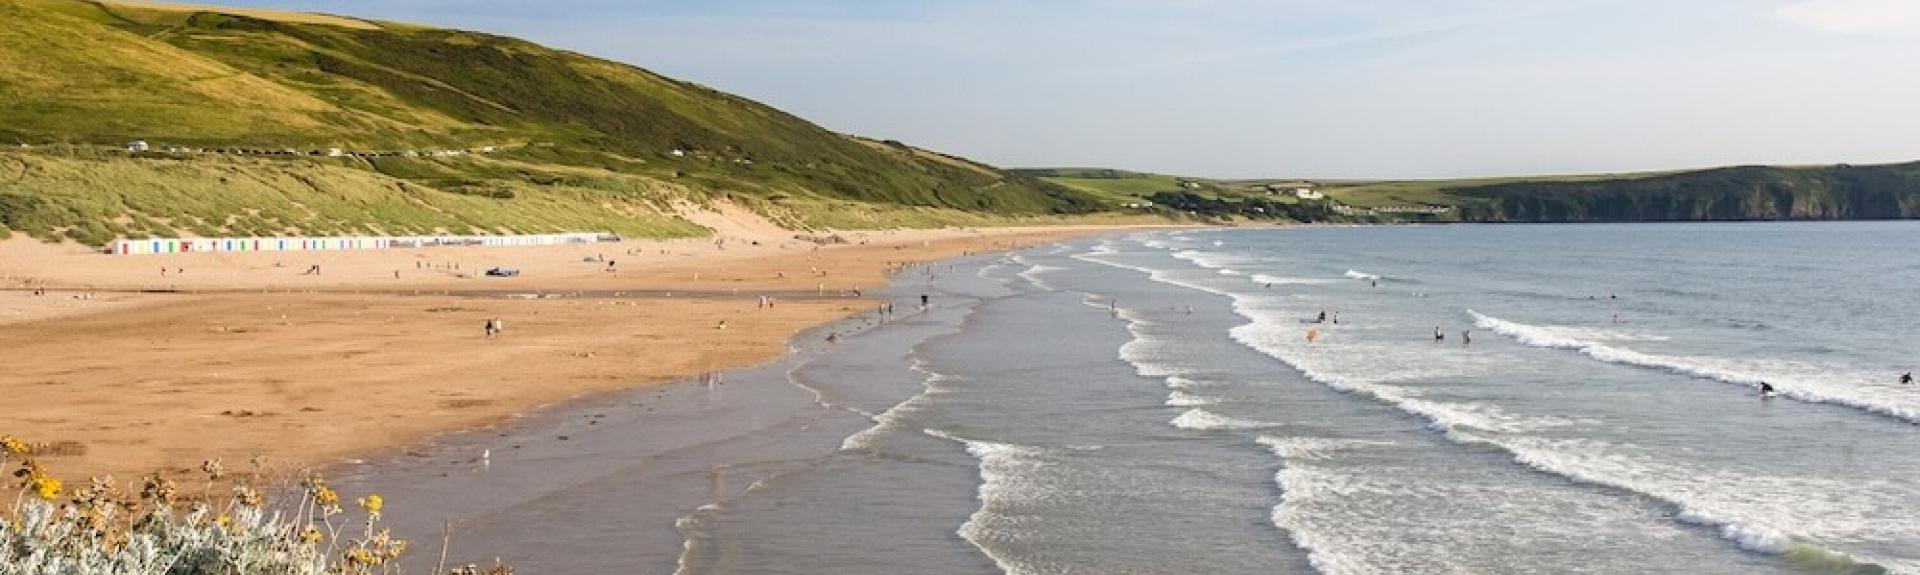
[314, 244]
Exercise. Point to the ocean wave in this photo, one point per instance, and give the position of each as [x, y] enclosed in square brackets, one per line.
[1007, 479]
[1265, 279]
[1360, 275]
[1303, 448]
[1793, 380]
[1184, 399]
[1597, 463]
[889, 420]
[1032, 275]
[1213, 260]
[1203, 420]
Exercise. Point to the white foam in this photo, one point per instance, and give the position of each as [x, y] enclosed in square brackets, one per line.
[1303, 448]
[889, 420]
[1265, 279]
[1184, 399]
[1360, 275]
[1761, 525]
[1214, 260]
[1201, 419]
[1757, 513]
[1855, 388]
[1006, 478]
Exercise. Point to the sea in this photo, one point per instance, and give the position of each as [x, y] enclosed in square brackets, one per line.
[1479, 399]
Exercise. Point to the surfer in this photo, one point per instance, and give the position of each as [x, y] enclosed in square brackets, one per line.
[1437, 335]
[1766, 390]
[1906, 378]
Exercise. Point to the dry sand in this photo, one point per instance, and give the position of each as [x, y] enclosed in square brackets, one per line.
[250, 358]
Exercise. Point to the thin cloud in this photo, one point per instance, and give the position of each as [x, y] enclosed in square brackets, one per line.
[1856, 17]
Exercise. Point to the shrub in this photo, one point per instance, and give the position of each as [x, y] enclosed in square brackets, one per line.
[101, 529]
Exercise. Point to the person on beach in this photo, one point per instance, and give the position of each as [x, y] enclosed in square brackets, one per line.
[492, 328]
[1313, 335]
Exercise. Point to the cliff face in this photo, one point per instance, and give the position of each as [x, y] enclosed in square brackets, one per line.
[1727, 194]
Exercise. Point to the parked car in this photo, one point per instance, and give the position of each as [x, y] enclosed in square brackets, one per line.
[503, 272]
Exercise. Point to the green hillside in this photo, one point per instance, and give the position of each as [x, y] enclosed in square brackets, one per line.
[1721, 194]
[90, 74]
[1740, 193]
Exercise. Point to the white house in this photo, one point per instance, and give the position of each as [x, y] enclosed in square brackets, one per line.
[138, 146]
[1308, 194]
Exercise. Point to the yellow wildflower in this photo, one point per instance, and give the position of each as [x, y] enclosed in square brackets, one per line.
[246, 496]
[325, 496]
[372, 504]
[361, 557]
[45, 487]
[224, 520]
[11, 445]
[311, 534]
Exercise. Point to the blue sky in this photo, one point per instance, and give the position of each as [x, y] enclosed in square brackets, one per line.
[1307, 88]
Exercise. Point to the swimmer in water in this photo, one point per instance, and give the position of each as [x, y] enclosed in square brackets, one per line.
[1466, 336]
[1437, 336]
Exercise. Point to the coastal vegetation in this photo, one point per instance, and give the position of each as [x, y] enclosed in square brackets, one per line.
[1744, 193]
[158, 526]
[251, 121]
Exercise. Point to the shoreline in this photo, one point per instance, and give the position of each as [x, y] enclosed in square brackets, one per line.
[642, 503]
[146, 381]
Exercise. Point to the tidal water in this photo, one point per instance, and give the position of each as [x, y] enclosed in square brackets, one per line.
[1169, 402]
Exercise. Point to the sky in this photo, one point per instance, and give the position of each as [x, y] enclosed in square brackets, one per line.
[1280, 88]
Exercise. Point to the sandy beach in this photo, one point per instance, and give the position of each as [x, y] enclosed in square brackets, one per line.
[235, 356]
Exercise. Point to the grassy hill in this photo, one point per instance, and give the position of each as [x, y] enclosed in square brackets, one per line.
[84, 73]
[1840, 192]
[1721, 194]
